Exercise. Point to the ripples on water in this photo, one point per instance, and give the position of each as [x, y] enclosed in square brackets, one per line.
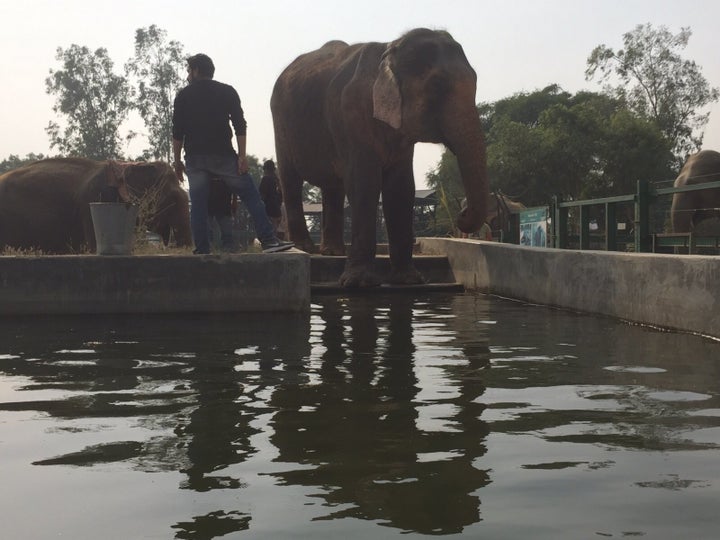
[369, 418]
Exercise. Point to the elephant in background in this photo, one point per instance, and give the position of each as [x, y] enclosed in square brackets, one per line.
[347, 118]
[500, 210]
[45, 205]
[692, 207]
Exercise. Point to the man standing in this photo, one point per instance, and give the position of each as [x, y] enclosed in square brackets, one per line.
[203, 112]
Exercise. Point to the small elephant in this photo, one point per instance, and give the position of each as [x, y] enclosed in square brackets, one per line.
[347, 118]
[45, 205]
[500, 208]
[691, 207]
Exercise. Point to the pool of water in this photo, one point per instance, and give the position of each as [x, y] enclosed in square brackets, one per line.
[371, 417]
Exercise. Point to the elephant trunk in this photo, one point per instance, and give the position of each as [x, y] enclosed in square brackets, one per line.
[465, 139]
[183, 237]
[181, 224]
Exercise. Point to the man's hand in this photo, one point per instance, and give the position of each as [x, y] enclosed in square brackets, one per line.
[243, 166]
[179, 167]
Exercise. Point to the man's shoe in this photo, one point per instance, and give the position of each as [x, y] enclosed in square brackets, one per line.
[276, 245]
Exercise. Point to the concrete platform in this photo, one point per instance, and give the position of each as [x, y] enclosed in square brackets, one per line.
[679, 292]
[76, 284]
[326, 270]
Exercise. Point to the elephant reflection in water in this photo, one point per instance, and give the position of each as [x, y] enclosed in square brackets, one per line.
[365, 437]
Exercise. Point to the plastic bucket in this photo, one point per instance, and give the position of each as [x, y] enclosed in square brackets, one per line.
[114, 225]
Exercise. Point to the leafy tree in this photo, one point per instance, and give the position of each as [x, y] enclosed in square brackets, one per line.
[157, 69]
[14, 161]
[658, 83]
[447, 182]
[550, 142]
[94, 100]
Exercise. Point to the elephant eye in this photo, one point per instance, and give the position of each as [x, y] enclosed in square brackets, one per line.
[422, 57]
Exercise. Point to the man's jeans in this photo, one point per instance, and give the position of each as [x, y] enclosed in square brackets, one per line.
[200, 169]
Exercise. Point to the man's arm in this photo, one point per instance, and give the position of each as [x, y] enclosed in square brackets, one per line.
[178, 165]
[237, 118]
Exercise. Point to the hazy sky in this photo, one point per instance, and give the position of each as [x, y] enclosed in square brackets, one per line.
[514, 45]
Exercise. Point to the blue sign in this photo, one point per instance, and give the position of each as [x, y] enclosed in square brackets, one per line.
[533, 227]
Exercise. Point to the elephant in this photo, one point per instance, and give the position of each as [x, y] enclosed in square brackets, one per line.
[346, 119]
[45, 205]
[500, 210]
[691, 207]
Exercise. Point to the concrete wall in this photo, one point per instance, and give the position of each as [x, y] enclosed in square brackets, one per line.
[669, 291]
[155, 284]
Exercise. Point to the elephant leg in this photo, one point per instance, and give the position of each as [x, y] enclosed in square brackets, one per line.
[362, 184]
[333, 225]
[398, 199]
[292, 185]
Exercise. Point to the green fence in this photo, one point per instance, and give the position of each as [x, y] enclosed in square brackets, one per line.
[641, 239]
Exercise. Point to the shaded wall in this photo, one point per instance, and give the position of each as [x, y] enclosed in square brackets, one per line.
[155, 284]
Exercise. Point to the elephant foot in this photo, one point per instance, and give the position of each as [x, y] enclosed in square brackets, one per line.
[359, 277]
[307, 246]
[327, 249]
[407, 276]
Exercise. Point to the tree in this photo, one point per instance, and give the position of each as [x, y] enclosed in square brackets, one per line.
[14, 161]
[658, 83]
[447, 183]
[94, 100]
[550, 142]
[156, 68]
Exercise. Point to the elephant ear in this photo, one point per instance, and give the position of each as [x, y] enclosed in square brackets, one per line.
[387, 103]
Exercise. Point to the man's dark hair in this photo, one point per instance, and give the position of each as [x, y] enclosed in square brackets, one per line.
[203, 63]
[269, 165]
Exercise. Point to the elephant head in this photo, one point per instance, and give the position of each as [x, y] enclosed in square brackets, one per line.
[425, 89]
[163, 203]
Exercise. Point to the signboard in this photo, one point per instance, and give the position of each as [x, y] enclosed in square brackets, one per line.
[533, 227]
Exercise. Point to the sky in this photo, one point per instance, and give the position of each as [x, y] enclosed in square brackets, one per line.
[514, 46]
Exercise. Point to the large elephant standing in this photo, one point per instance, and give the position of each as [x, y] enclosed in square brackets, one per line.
[691, 207]
[45, 205]
[347, 118]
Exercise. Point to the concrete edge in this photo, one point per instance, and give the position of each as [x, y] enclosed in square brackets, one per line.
[667, 291]
[155, 283]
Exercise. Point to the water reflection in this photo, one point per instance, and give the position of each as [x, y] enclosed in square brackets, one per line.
[425, 415]
[386, 439]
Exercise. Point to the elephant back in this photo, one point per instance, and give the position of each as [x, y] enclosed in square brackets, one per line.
[699, 168]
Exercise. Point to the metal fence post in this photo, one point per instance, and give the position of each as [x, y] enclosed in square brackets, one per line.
[584, 227]
[560, 218]
[642, 217]
[610, 227]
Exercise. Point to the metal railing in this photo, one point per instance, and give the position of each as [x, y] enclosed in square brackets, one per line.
[642, 200]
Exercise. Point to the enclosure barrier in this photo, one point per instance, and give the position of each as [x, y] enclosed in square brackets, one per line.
[644, 242]
[681, 295]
